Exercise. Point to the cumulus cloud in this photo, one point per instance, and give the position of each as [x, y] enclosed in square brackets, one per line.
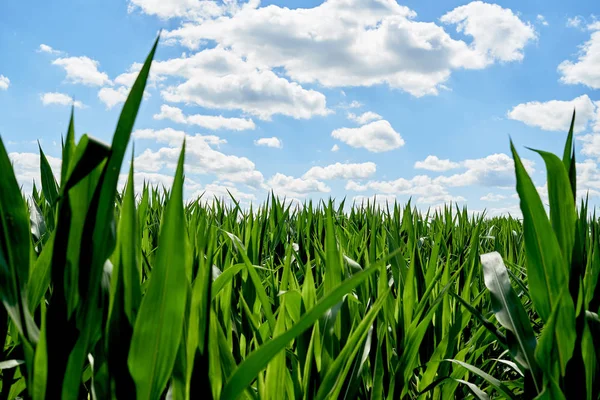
[59, 98]
[335, 148]
[493, 197]
[83, 70]
[497, 32]
[377, 136]
[541, 19]
[211, 122]
[269, 142]
[111, 97]
[289, 186]
[433, 163]
[588, 175]
[201, 157]
[342, 171]
[591, 144]
[426, 189]
[44, 48]
[4, 82]
[585, 69]
[364, 118]
[574, 22]
[555, 115]
[364, 42]
[260, 93]
[217, 78]
[197, 10]
[495, 170]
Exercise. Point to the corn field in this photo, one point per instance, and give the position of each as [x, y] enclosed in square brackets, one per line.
[112, 295]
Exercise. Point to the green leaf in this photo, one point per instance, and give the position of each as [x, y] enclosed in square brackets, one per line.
[49, 185]
[333, 269]
[510, 313]
[125, 294]
[480, 394]
[159, 323]
[562, 204]
[546, 267]
[68, 150]
[569, 159]
[39, 280]
[40, 366]
[128, 251]
[15, 249]
[488, 378]
[557, 341]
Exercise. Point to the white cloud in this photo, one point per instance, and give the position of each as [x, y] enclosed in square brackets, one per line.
[588, 175]
[494, 170]
[555, 115]
[59, 98]
[433, 163]
[201, 157]
[591, 145]
[494, 197]
[364, 42]
[289, 186]
[542, 20]
[335, 148]
[174, 137]
[585, 70]
[4, 82]
[497, 32]
[27, 169]
[342, 171]
[574, 22]
[440, 198]
[364, 117]
[426, 189]
[44, 48]
[353, 104]
[260, 93]
[206, 121]
[219, 79]
[269, 142]
[596, 119]
[111, 97]
[188, 9]
[83, 70]
[376, 136]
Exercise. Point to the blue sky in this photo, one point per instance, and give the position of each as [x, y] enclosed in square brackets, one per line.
[350, 98]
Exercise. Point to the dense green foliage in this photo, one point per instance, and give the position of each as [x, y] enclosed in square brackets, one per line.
[113, 295]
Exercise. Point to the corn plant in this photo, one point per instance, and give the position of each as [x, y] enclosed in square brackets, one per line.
[563, 266]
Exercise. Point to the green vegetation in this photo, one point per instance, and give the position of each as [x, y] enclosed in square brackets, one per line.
[111, 296]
